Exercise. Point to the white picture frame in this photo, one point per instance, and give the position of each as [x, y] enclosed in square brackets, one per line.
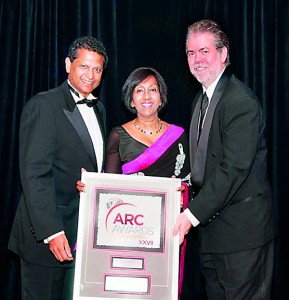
[125, 246]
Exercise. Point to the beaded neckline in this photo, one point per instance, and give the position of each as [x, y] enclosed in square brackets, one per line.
[146, 131]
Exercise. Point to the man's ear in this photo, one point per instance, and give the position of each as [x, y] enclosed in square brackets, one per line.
[224, 54]
[67, 65]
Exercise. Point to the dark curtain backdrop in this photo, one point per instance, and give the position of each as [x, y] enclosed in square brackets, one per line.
[35, 36]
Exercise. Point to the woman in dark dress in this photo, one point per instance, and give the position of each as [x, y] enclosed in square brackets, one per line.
[147, 145]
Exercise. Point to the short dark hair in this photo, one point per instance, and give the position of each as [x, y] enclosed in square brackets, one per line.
[206, 25]
[90, 43]
[135, 78]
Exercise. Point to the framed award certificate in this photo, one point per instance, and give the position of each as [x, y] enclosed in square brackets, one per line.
[125, 247]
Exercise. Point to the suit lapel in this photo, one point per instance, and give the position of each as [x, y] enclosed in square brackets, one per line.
[77, 122]
[73, 115]
[100, 119]
[194, 128]
[199, 152]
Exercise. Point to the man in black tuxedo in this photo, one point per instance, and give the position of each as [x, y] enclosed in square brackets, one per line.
[61, 131]
[231, 204]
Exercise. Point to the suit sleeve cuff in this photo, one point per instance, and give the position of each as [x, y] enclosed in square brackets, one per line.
[195, 222]
[46, 241]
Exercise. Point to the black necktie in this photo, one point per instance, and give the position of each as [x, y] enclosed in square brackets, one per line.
[204, 105]
[88, 102]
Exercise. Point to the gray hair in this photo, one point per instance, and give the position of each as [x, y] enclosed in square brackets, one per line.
[206, 25]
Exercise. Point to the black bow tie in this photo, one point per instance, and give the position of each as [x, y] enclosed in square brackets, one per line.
[88, 102]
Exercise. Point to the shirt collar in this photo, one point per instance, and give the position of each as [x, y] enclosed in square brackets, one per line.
[210, 90]
[76, 94]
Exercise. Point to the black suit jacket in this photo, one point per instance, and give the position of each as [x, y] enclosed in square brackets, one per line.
[233, 200]
[54, 145]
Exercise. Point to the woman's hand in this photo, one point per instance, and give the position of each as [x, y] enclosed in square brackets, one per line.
[80, 185]
[180, 189]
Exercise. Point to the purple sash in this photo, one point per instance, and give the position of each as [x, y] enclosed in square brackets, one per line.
[154, 152]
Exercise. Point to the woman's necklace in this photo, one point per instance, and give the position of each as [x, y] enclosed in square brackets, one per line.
[146, 131]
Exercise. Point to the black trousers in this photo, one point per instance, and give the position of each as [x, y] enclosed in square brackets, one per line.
[240, 275]
[44, 283]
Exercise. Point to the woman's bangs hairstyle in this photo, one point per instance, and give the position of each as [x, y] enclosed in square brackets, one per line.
[135, 78]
